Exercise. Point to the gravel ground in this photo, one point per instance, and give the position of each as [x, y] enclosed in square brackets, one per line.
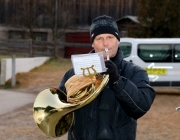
[162, 122]
[19, 125]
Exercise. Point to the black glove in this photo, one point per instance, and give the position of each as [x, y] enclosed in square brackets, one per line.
[112, 71]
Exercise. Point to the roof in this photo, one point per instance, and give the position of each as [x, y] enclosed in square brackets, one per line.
[132, 18]
[151, 40]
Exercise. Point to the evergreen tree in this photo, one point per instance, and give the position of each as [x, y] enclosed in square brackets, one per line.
[159, 18]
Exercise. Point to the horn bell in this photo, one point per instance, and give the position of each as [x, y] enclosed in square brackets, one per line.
[54, 115]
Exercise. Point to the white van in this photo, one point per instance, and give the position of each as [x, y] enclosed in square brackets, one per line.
[160, 57]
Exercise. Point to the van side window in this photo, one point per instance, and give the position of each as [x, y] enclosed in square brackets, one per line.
[126, 48]
[155, 52]
[177, 53]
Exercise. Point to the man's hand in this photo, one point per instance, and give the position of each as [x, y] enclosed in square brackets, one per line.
[112, 71]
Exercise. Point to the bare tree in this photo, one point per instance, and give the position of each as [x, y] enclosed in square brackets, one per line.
[23, 15]
[58, 23]
[51, 14]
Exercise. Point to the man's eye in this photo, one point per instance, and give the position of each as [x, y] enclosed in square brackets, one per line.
[99, 39]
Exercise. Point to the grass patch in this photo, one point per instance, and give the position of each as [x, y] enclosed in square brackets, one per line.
[8, 84]
[8, 56]
[5, 56]
[54, 64]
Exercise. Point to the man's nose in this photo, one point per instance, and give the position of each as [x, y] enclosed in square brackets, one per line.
[105, 42]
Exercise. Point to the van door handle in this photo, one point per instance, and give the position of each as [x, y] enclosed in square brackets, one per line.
[130, 60]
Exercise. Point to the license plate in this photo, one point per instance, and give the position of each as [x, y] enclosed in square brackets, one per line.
[156, 71]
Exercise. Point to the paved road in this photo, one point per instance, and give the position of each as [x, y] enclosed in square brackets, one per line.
[10, 100]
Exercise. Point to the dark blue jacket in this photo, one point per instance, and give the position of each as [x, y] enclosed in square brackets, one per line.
[113, 114]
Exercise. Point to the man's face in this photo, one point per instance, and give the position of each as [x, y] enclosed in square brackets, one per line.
[103, 41]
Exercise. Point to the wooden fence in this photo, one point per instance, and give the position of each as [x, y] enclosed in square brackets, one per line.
[29, 48]
[26, 48]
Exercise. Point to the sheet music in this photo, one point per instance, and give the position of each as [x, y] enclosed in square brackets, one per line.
[88, 60]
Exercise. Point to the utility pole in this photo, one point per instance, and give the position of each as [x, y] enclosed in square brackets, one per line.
[13, 82]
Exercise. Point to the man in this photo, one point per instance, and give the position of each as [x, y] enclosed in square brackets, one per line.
[127, 96]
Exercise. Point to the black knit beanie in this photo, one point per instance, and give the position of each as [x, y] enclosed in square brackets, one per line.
[104, 24]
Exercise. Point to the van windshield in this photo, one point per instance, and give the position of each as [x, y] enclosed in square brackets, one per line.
[126, 48]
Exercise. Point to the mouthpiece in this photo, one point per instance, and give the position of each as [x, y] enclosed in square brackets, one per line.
[107, 53]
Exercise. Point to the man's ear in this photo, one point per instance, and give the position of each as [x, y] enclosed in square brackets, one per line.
[92, 45]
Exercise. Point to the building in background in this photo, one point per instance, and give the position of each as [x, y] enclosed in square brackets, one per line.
[58, 20]
[44, 14]
[127, 25]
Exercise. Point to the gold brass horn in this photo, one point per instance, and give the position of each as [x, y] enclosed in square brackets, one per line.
[52, 112]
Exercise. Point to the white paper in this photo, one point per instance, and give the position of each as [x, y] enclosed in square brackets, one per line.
[86, 61]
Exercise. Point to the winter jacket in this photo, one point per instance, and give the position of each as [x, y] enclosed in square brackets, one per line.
[113, 114]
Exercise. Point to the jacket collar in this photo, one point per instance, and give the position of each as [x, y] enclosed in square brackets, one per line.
[118, 57]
